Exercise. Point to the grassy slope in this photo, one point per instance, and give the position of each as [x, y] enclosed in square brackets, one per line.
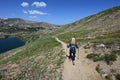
[51, 55]
[95, 26]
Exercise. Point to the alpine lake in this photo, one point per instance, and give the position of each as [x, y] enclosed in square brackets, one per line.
[10, 43]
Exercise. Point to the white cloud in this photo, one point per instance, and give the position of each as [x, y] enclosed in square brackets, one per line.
[36, 12]
[39, 4]
[24, 11]
[33, 16]
[24, 4]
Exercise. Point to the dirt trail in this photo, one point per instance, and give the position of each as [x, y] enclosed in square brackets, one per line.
[82, 70]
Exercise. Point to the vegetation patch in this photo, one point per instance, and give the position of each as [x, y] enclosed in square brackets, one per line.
[98, 69]
[107, 38]
[116, 52]
[95, 57]
[79, 35]
[47, 68]
[39, 46]
[40, 60]
[17, 29]
[110, 57]
[106, 57]
[117, 76]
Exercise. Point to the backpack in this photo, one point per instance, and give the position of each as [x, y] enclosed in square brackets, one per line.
[72, 48]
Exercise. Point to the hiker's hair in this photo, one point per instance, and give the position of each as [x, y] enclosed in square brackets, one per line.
[73, 41]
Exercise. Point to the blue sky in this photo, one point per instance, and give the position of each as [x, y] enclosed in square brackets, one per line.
[53, 11]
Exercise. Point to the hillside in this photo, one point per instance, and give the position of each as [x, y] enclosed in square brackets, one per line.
[44, 58]
[100, 24]
[24, 28]
[20, 23]
[93, 31]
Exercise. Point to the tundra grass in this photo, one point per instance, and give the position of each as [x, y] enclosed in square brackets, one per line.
[48, 67]
[41, 45]
[82, 36]
[79, 35]
[40, 60]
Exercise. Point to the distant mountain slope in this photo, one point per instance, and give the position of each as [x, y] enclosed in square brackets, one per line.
[105, 19]
[24, 28]
[20, 23]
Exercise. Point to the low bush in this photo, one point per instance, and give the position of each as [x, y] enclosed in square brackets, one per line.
[116, 52]
[98, 69]
[105, 57]
[95, 57]
[117, 77]
[110, 57]
[91, 56]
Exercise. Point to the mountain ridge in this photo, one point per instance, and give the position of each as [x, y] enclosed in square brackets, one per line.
[23, 28]
[26, 23]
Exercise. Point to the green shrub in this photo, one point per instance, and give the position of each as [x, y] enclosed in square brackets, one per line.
[116, 52]
[90, 56]
[95, 57]
[98, 58]
[117, 77]
[105, 57]
[110, 57]
[113, 71]
[98, 69]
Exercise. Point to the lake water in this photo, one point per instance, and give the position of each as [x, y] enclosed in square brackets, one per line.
[10, 43]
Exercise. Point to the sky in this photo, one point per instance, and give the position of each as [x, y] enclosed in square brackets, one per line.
[58, 12]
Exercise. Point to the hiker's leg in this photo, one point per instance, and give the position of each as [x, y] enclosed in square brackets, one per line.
[70, 54]
[73, 56]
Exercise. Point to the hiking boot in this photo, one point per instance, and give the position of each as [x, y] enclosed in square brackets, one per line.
[73, 62]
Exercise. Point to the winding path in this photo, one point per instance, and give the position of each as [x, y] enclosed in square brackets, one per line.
[82, 70]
